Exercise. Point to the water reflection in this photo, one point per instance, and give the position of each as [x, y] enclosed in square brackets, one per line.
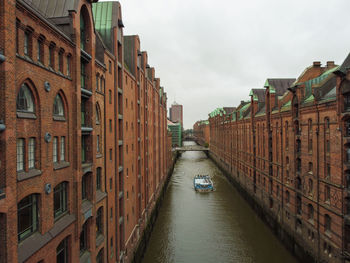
[209, 227]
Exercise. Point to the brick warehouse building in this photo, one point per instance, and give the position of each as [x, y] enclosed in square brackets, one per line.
[287, 148]
[202, 132]
[84, 146]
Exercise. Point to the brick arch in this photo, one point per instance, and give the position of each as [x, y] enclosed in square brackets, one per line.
[29, 191]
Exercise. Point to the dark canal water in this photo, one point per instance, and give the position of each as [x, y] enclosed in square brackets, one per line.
[214, 227]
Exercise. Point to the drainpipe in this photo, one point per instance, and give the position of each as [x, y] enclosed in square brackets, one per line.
[318, 181]
[2, 125]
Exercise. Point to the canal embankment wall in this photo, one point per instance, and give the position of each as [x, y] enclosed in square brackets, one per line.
[260, 204]
[152, 217]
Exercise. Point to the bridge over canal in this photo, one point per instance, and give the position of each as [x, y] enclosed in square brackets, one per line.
[186, 148]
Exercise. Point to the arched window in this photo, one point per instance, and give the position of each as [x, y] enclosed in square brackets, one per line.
[287, 197]
[98, 117]
[58, 109]
[82, 32]
[99, 257]
[62, 251]
[311, 186]
[326, 123]
[310, 212]
[327, 222]
[298, 183]
[99, 221]
[286, 134]
[27, 214]
[25, 100]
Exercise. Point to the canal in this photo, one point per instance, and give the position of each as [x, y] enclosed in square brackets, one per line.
[209, 227]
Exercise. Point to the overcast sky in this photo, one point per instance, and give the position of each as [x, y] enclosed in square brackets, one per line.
[209, 54]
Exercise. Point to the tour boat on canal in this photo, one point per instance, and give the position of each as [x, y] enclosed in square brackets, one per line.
[203, 183]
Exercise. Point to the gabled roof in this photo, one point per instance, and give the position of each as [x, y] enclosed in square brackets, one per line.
[344, 66]
[53, 8]
[279, 86]
[258, 95]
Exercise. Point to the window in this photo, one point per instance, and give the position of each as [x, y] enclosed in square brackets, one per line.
[98, 178]
[83, 244]
[328, 172]
[327, 222]
[110, 154]
[98, 117]
[84, 187]
[347, 102]
[328, 146]
[98, 143]
[82, 32]
[55, 150]
[40, 50]
[109, 66]
[286, 134]
[83, 76]
[327, 193]
[52, 55]
[110, 96]
[27, 46]
[58, 109]
[110, 125]
[27, 214]
[99, 220]
[68, 65]
[60, 61]
[310, 167]
[326, 123]
[310, 212]
[25, 100]
[31, 153]
[62, 252]
[83, 149]
[311, 186]
[97, 83]
[102, 84]
[99, 257]
[20, 155]
[287, 197]
[299, 205]
[60, 199]
[63, 148]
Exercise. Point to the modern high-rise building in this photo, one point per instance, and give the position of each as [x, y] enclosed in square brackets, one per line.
[176, 113]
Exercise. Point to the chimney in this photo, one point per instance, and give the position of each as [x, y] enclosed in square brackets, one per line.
[330, 64]
[317, 64]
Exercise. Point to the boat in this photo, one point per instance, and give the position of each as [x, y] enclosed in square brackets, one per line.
[203, 183]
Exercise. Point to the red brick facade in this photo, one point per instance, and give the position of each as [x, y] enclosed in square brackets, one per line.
[287, 147]
[84, 148]
[201, 132]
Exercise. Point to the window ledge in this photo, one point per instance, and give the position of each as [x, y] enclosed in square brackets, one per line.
[99, 155]
[36, 241]
[59, 118]
[21, 176]
[99, 240]
[100, 195]
[85, 257]
[87, 167]
[26, 115]
[61, 165]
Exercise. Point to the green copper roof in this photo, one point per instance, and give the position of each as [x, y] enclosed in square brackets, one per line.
[315, 81]
[255, 97]
[271, 88]
[105, 18]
